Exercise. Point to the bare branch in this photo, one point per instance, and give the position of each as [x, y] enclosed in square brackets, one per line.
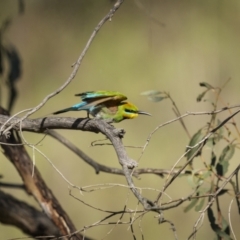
[35, 185]
[27, 218]
[97, 166]
[92, 125]
[76, 66]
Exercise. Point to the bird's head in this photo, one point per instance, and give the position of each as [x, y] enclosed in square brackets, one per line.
[129, 110]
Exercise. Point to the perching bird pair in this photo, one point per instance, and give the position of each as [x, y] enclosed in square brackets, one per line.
[109, 105]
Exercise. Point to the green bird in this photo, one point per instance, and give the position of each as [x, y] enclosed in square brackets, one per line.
[109, 105]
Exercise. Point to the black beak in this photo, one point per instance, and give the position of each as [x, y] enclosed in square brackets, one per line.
[144, 113]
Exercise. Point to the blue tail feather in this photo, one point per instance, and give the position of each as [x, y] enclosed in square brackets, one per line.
[64, 110]
[76, 107]
[80, 106]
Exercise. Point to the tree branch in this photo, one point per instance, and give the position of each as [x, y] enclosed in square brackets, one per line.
[41, 125]
[35, 185]
[27, 218]
[76, 66]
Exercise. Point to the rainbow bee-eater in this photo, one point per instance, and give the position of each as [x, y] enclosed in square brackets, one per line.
[109, 105]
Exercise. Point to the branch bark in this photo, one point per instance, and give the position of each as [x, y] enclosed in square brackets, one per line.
[25, 217]
[35, 185]
[75, 66]
[42, 125]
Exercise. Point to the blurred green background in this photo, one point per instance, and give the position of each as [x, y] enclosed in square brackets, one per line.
[164, 45]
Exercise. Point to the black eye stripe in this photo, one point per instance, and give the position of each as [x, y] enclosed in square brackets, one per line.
[130, 111]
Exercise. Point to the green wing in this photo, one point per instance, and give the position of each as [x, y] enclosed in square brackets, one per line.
[101, 96]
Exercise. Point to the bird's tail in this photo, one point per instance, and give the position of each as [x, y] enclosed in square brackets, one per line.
[77, 107]
[64, 110]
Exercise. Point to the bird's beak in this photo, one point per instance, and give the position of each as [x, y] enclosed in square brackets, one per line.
[144, 113]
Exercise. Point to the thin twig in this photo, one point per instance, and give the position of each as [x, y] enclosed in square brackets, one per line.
[180, 117]
[76, 66]
[229, 219]
[212, 199]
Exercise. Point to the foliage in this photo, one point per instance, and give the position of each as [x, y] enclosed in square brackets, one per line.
[207, 181]
[214, 144]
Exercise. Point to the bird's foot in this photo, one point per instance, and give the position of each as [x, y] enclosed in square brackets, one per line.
[119, 132]
[109, 121]
[130, 163]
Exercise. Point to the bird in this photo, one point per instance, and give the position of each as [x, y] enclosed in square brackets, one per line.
[108, 105]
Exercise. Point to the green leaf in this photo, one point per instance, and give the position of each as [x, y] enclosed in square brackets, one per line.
[197, 137]
[206, 85]
[154, 95]
[156, 98]
[191, 205]
[200, 205]
[210, 142]
[223, 162]
[219, 169]
[200, 96]
[221, 233]
[223, 191]
[220, 130]
[225, 167]
[213, 159]
[204, 190]
[206, 175]
[227, 153]
[193, 180]
[225, 226]
[151, 93]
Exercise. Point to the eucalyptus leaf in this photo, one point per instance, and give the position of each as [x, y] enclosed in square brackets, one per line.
[223, 191]
[151, 92]
[221, 232]
[227, 153]
[213, 159]
[191, 205]
[197, 137]
[219, 169]
[156, 98]
[206, 85]
[201, 95]
[200, 205]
